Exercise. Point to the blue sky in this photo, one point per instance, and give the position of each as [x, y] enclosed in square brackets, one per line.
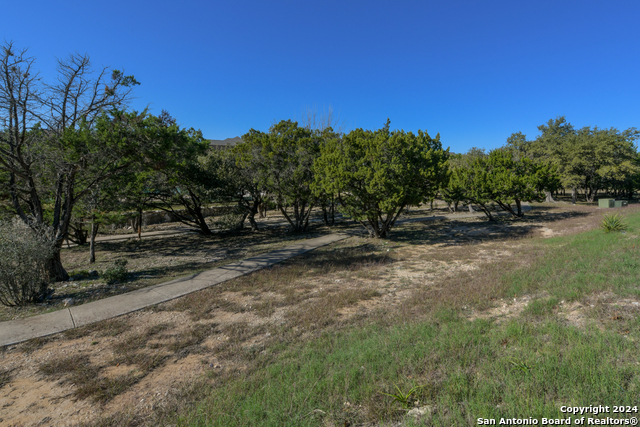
[473, 71]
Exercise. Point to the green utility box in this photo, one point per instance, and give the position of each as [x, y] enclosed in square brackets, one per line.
[621, 203]
[606, 203]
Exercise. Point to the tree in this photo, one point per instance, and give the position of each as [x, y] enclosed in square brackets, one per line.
[453, 191]
[474, 179]
[187, 176]
[46, 143]
[505, 178]
[244, 183]
[599, 158]
[376, 174]
[586, 158]
[287, 154]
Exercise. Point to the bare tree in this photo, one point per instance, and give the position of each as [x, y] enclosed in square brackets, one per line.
[47, 146]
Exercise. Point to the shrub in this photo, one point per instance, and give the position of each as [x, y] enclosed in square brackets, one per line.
[116, 273]
[24, 253]
[612, 222]
[232, 220]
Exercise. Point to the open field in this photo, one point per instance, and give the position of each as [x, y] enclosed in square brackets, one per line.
[510, 319]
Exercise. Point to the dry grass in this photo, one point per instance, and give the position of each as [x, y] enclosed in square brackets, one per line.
[107, 328]
[5, 377]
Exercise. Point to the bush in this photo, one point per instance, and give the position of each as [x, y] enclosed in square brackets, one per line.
[232, 220]
[116, 273]
[612, 222]
[24, 253]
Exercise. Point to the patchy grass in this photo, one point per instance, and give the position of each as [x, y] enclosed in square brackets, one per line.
[324, 338]
[107, 328]
[5, 377]
[463, 369]
[587, 263]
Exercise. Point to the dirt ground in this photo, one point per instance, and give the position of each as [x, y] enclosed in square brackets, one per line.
[139, 365]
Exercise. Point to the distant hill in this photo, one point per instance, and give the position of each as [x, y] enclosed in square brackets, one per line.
[224, 143]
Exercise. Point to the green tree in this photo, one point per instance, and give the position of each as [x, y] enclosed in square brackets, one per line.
[453, 191]
[505, 178]
[600, 158]
[590, 159]
[187, 176]
[245, 180]
[376, 174]
[287, 154]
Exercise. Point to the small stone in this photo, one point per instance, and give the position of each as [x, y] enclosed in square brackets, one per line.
[421, 411]
[67, 302]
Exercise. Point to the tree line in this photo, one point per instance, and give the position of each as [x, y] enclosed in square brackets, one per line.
[73, 150]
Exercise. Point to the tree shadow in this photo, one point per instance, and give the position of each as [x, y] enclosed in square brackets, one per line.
[458, 232]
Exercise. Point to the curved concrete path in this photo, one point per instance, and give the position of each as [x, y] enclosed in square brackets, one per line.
[15, 331]
[19, 330]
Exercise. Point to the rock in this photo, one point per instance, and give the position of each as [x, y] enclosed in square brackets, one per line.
[423, 411]
[67, 302]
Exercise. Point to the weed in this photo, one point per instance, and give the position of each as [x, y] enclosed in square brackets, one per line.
[613, 222]
[405, 399]
[519, 365]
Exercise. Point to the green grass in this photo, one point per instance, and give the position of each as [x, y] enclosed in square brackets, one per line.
[584, 264]
[463, 369]
[526, 366]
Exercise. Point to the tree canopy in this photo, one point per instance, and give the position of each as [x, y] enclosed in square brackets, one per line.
[376, 174]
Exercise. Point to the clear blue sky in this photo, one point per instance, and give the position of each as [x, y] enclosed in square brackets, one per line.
[474, 71]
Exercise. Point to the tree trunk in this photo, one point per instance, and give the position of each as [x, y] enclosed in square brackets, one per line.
[139, 224]
[471, 209]
[252, 221]
[549, 197]
[54, 267]
[333, 212]
[325, 215]
[92, 241]
[449, 206]
[574, 195]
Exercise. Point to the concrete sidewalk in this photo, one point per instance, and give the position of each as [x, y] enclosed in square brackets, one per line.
[15, 331]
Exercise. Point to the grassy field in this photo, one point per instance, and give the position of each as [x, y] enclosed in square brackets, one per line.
[443, 323]
[456, 370]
